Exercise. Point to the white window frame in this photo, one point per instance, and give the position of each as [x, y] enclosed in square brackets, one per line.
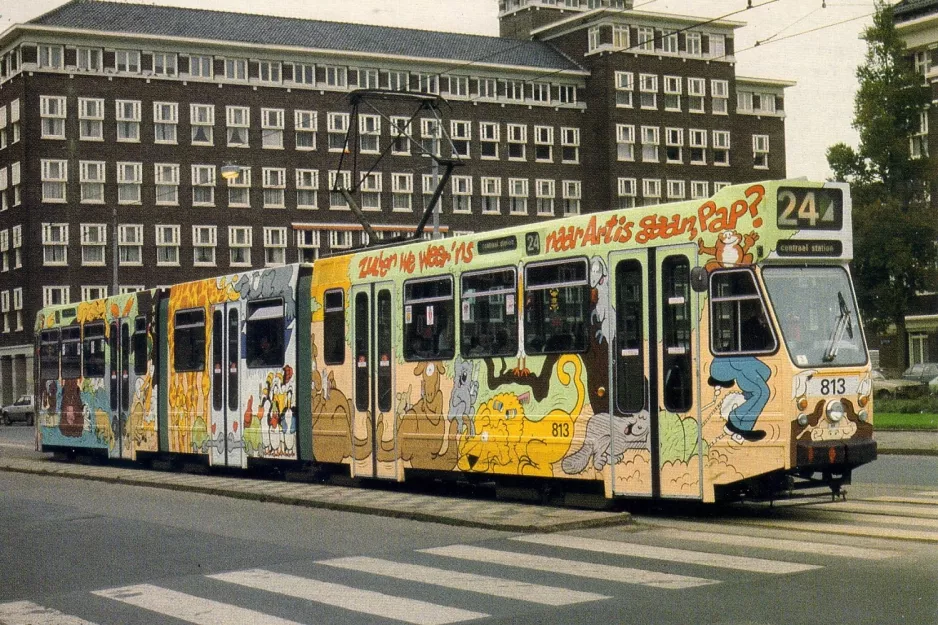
[625, 87]
[369, 133]
[275, 184]
[167, 245]
[236, 69]
[402, 190]
[305, 124]
[55, 242]
[166, 182]
[91, 119]
[165, 122]
[569, 145]
[572, 195]
[91, 176]
[165, 64]
[517, 136]
[130, 245]
[651, 142]
[674, 145]
[719, 97]
[491, 188]
[627, 192]
[53, 113]
[648, 91]
[275, 246]
[239, 189]
[462, 194]
[307, 188]
[202, 117]
[55, 295]
[272, 125]
[543, 139]
[127, 61]
[269, 72]
[94, 243]
[489, 137]
[204, 239]
[760, 151]
[240, 241]
[126, 183]
[721, 147]
[238, 117]
[54, 180]
[676, 189]
[651, 190]
[204, 179]
[625, 142]
[697, 141]
[337, 125]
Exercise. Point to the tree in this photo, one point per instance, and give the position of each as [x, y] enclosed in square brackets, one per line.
[894, 227]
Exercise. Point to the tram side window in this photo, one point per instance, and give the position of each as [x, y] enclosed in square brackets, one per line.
[71, 352]
[738, 320]
[428, 319]
[556, 307]
[264, 328]
[630, 337]
[49, 355]
[677, 333]
[489, 314]
[140, 346]
[95, 350]
[189, 340]
[333, 327]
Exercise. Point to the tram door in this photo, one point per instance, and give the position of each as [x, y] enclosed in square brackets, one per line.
[226, 438]
[374, 448]
[654, 372]
[120, 387]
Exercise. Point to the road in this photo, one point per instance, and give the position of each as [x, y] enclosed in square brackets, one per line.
[74, 552]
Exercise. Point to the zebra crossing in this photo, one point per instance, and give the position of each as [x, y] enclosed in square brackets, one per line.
[580, 569]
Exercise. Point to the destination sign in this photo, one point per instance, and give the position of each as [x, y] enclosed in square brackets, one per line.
[501, 244]
[805, 208]
[805, 247]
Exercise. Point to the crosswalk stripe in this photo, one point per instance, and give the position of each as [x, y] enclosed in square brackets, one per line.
[509, 589]
[570, 567]
[895, 507]
[928, 493]
[29, 613]
[862, 529]
[778, 544]
[188, 608]
[357, 600]
[718, 560]
[913, 502]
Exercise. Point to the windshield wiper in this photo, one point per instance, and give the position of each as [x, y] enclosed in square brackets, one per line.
[844, 324]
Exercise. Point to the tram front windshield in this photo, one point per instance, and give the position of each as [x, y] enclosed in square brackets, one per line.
[816, 312]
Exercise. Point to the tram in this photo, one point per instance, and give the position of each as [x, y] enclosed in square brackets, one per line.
[705, 350]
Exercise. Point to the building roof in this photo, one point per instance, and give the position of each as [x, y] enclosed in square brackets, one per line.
[152, 20]
[910, 9]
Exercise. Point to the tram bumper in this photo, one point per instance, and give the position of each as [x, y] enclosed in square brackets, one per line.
[830, 454]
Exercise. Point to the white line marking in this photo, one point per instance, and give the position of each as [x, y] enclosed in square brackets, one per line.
[912, 501]
[354, 599]
[188, 607]
[798, 546]
[28, 613]
[826, 527]
[498, 587]
[753, 565]
[571, 567]
[894, 507]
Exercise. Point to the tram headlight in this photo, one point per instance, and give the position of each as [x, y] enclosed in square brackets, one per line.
[802, 419]
[835, 411]
[864, 415]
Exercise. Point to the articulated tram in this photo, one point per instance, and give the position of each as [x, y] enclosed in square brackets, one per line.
[706, 349]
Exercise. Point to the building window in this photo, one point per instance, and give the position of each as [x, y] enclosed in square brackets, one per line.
[304, 74]
[203, 185]
[429, 83]
[54, 179]
[204, 240]
[166, 176]
[674, 145]
[669, 42]
[89, 59]
[460, 135]
[54, 244]
[127, 61]
[129, 180]
[719, 186]
[55, 295]
[272, 128]
[305, 124]
[698, 146]
[544, 144]
[696, 92]
[240, 239]
[130, 244]
[719, 93]
[336, 77]
[572, 193]
[625, 85]
[569, 145]
[514, 90]
[627, 192]
[339, 180]
[165, 119]
[459, 86]
[275, 183]
[127, 113]
[672, 93]
[620, 36]
[489, 137]
[164, 64]
[694, 47]
[236, 69]
[717, 46]
[15, 121]
[371, 187]
[402, 190]
[50, 57]
[200, 66]
[918, 142]
[646, 38]
[167, 245]
[239, 123]
[369, 133]
[743, 101]
[15, 182]
[52, 111]
[91, 119]
[491, 195]
[566, 94]
[307, 245]
[275, 246]
[517, 140]
[488, 89]
[239, 189]
[18, 307]
[307, 188]
[338, 128]
[651, 138]
[462, 194]
[699, 189]
[625, 142]
[4, 185]
[721, 147]
[676, 189]
[93, 292]
[760, 151]
[269, 71]
[518, 196]
[93, 243]
[398, 81]
[91, 176]
[202, 118]
[430, 134]
[544, 191]
[340, 240]
[593, 38]
[540, 92]
[648, 91]
[400, 135]
[367, 79]
[651, 191]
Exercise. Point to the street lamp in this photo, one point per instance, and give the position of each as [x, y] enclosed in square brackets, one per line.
[230, 171]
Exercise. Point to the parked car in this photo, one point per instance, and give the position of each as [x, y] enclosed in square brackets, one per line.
[886, 387]
[923, 372]
[20, 410]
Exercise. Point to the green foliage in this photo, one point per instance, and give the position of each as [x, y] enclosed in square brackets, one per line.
[893, 228]
[678, 437]
[923, 404]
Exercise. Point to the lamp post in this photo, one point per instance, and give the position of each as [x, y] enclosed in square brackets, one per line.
[230, 171]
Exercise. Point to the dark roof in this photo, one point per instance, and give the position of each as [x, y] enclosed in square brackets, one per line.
[911, 9]
[143, 19]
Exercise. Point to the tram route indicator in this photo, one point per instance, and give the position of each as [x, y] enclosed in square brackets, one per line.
[532, 243]
[810, 247]
[501, 244]
[804, 208]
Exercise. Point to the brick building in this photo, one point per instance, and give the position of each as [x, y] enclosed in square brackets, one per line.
[116, 119]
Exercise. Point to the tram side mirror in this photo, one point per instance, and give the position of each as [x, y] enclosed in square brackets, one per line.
[699, 279]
